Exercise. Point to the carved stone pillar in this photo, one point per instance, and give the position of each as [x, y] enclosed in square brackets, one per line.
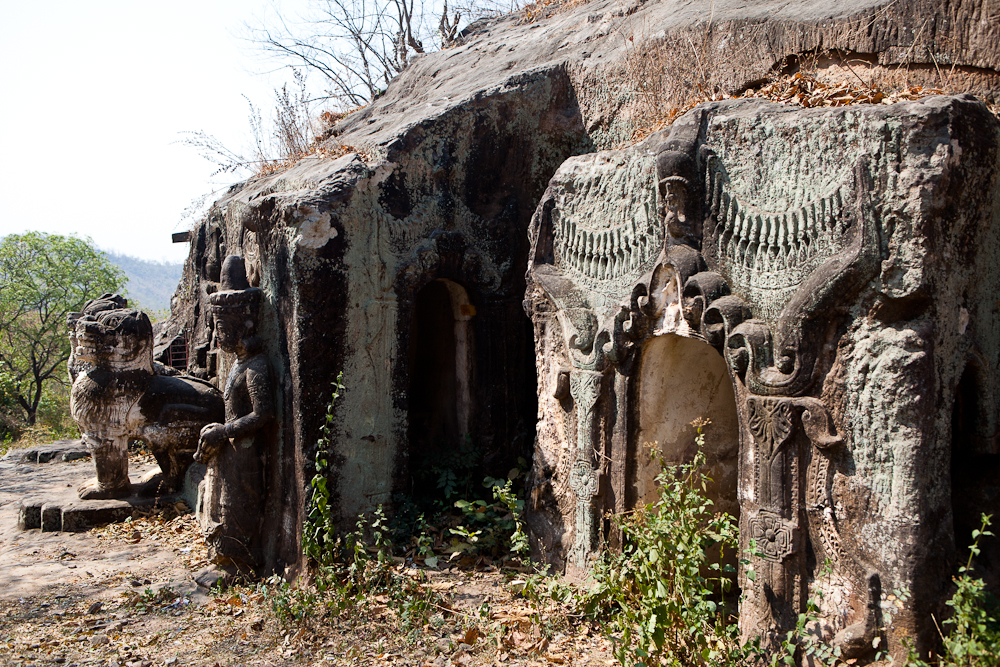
[787, 502]
[585, 388]
[774, 522]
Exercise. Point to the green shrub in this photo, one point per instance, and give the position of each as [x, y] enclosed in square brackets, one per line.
[320, 530]
[663, 598]
[491, 528]
[973, 639]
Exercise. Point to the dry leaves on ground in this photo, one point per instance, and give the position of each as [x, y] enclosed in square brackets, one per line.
[172, 525]
[800, 89]
[808, 91]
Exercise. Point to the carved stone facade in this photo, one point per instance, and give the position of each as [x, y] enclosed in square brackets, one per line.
[405, 271]
[842, 262]
[831, 268]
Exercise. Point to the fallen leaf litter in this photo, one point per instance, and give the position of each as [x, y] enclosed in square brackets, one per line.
[482, 621]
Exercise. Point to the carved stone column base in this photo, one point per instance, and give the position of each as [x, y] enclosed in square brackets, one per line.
[111, 463]
[92, 489]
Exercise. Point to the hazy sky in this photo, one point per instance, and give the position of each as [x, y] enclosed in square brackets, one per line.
[94, 98]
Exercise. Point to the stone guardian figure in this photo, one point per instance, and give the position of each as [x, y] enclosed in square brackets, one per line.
[677, 177]
[120, 395]
[231, 498]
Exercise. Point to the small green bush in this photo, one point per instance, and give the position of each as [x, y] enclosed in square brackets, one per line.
[662, 598]
[320, 529]
[491, 528]
[973, 639]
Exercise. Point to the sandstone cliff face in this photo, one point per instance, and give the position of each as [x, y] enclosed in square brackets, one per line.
[344, 248]
[368, 261]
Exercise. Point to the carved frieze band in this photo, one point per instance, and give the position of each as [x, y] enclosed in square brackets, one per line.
[777, 250]
[607, 254]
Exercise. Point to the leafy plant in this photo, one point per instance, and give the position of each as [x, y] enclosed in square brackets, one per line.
[353, 571]
[360, 565]
[974, 636]
[320, 529]
[491, 528]
[662, 598]
[504, 493]
[799, 638]
[290, 603]
[453, 469]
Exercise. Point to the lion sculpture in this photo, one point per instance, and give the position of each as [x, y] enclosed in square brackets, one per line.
[119, 396]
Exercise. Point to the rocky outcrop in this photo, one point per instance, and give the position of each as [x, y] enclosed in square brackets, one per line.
[843, 264]
[346, 251]
[402, 264]
[603, 47]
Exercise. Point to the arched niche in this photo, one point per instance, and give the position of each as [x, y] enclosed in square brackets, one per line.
[682, 380]
[975, 468]
[441, 369]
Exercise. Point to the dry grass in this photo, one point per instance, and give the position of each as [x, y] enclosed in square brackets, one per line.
[670, 75]
[316, 151]
[480, 623]
[43, 434]
[543, 9]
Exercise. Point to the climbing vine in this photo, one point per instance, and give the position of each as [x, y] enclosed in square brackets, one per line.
[320, 531]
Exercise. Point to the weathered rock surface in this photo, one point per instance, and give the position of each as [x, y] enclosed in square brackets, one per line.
[36, 562]
[58, 451]
[844, 264]
[595, 45]
[402, 265]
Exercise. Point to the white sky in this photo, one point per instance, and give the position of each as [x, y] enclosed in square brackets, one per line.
[93, 98]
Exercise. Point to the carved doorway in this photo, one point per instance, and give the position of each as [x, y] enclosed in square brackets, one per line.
[975, 469]
[681, 380]
[441, 374]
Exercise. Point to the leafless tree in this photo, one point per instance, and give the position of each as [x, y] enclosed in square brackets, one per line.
[448, 26]
[358, 46]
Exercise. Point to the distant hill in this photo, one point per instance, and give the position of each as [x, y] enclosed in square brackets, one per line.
[150, 284]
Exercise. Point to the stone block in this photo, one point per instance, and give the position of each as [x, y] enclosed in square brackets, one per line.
[84, 515]
[58, 451]
[51, 517]
[29, 513]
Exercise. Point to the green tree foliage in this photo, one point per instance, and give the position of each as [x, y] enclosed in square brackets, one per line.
[43, 278]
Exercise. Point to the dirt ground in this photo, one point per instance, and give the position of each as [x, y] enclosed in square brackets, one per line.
[124, 595]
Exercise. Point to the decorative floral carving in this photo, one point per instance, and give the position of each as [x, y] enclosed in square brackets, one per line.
[771, 424]
[585, 387]
[774, 536]
[583, 480]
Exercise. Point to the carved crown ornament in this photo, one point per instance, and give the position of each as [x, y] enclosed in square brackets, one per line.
[748, 280]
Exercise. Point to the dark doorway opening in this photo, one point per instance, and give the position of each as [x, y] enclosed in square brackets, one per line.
[440, 393]
[975, 471]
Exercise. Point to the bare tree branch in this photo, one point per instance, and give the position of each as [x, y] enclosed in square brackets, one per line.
[358, 46]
